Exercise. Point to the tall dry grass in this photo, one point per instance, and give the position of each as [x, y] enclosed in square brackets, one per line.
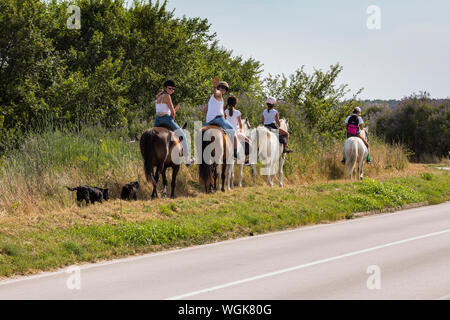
[34, 178]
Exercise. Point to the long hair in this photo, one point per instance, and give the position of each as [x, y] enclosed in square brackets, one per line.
[231, 103]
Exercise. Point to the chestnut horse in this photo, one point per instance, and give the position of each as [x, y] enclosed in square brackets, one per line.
[158, 146]
[216, 147]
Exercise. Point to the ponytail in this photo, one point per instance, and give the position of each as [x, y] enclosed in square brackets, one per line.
[231, 103]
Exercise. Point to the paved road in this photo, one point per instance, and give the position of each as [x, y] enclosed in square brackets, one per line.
[407, 254]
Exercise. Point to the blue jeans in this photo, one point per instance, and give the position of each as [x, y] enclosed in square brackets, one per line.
[224, 124]
[168, 121]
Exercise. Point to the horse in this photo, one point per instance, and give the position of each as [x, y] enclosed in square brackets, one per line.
[269, 150]
[245, 130]
[355, 152]
[218, 148]
[158, 145]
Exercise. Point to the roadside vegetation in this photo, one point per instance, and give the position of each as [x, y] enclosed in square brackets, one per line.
[73, 103]
[30, 243]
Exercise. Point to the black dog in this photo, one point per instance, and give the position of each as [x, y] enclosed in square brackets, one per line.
[90, 194]
[129, 191]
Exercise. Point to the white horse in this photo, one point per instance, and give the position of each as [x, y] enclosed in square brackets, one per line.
[269, 152]
[355, 152]
[245, 129]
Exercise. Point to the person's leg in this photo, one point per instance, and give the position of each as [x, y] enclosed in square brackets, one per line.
[229, 130]
[368, 148]
[167, 120]
[286, 135]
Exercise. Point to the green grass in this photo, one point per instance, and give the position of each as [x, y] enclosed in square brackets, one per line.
[204, 219]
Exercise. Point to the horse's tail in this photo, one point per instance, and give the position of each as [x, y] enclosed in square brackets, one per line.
[352, 157]
[147, 151]
[205, 168]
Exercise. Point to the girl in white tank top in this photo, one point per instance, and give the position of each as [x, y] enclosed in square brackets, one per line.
[215, 109]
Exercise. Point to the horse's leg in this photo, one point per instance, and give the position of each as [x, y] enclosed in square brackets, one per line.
[361, 166]
[269, 180]
[241, 167]
[159, 169]
[163, 173]
[175, 170]
[254, 174]
[216, 176]
[280, 170]
[222, 175]
[230, 169]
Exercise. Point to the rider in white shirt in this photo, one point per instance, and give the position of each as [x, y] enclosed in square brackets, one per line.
[271, 120]
[234, 117]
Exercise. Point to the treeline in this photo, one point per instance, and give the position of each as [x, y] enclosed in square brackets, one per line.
[419, 122]
[107, 73]
[109, 70]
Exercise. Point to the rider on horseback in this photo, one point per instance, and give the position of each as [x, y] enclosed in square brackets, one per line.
[165, 116]
[214, 111]
[271, 120]
[234, 117]
[354, 124]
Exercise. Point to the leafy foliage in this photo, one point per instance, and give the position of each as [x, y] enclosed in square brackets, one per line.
[107, 72]
[420, 123]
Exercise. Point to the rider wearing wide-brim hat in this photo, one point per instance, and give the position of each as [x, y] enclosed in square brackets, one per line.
[271, 120]
[355, 125]
[165, 116]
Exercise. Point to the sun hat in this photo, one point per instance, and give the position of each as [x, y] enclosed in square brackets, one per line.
[271, 100]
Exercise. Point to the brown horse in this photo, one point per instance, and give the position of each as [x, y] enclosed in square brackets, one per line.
[217, 145]
[157, 147]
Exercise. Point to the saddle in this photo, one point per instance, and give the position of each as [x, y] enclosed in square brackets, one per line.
[170, 129]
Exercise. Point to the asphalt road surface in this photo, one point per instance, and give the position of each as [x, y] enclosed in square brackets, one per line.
[403, 255]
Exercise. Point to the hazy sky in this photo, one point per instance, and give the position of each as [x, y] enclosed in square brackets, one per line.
[409, 53]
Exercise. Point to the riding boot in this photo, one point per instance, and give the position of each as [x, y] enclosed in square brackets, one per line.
[286, 150]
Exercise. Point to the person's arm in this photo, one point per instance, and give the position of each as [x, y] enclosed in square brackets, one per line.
[168, 100]
[215, 92]
[262, 119]
[239, 123]
[277, 120]
[205, 110]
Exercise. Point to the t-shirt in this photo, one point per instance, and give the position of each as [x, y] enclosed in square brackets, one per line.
[234, 119]
[359, 119]
[215, 108]
[269, 116]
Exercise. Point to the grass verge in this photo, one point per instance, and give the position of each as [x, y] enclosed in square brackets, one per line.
[140, 227]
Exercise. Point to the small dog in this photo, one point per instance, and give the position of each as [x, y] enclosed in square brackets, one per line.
[90, 194]
[129, 191]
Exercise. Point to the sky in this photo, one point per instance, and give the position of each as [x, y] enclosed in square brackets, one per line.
[409, 53]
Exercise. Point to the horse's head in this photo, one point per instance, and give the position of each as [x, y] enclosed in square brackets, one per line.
[365, 133]
[284, 124]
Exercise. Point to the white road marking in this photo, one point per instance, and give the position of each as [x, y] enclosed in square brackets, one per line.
[302, 266]
[446, 297]
[178, 250]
